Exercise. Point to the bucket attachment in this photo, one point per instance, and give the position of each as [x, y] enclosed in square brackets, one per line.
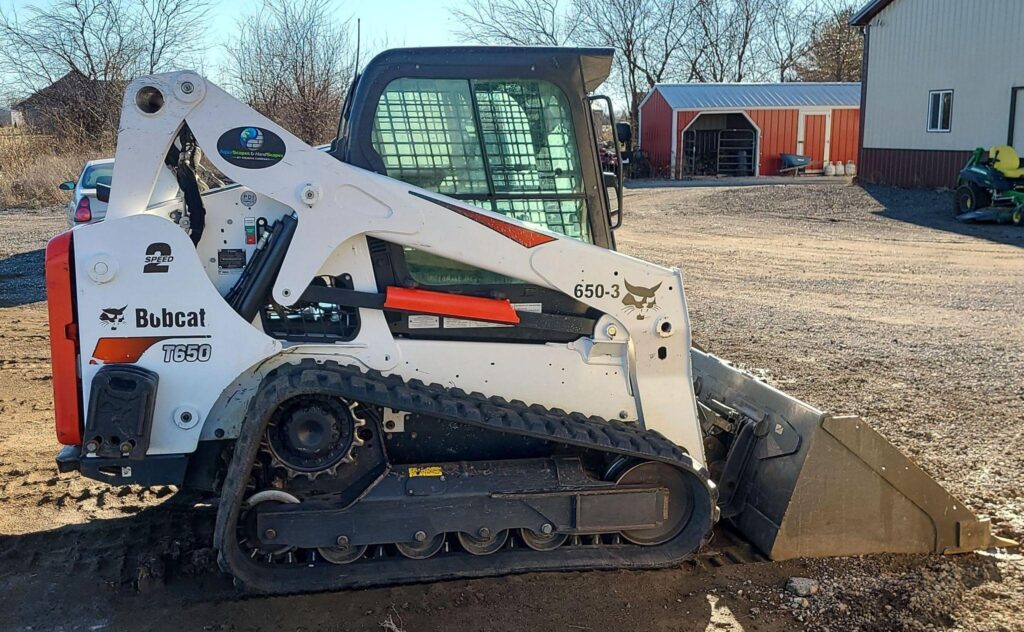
[798, 482]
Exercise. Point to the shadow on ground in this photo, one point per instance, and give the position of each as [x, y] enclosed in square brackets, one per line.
[21, 279]
[934, 209]
[153, 568]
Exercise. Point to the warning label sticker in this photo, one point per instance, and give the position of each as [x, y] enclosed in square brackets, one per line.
[432, 471]
[423, 321]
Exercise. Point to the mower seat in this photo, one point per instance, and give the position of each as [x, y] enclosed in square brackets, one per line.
[1007, 161]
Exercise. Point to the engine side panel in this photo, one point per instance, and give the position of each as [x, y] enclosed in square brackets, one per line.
[170, 320]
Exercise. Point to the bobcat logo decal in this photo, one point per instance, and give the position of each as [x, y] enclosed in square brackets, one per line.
[112, 316]
[640, 300]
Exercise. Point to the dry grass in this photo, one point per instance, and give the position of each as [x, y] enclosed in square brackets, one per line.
[31, 167]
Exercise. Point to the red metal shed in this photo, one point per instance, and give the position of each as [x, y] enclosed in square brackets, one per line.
[741, 128]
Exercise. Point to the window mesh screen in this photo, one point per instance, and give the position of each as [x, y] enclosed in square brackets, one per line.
[425, 132]
[528, 137]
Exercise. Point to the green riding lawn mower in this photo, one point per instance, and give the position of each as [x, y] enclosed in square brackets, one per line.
[990, 187]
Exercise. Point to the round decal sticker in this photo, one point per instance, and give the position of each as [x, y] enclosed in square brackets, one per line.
[251, 147]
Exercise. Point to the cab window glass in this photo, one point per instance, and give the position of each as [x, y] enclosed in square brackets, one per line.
[503, 145]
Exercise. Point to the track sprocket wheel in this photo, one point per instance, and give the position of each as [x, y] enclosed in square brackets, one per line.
[313, 435]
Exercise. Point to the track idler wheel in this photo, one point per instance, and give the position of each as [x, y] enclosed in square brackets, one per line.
[680, 501]
[484, 542]
[421, 550]
[262, 544]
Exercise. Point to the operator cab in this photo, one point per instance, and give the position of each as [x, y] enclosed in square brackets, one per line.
[509, 130]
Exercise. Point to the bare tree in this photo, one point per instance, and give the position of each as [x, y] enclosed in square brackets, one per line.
[729, 32]
[835, 50]
[87, 51]
[517, 22]
[172, 27]
[293, 62]
[786, 37]
[654, 41]
[90, 37]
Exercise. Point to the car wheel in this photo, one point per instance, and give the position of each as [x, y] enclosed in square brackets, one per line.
[1017, 216]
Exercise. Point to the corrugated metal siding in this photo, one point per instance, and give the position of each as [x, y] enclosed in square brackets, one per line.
[845, 135]
[656, 131]
[703, 96]
[922, 45]
[778, 136]
[911, 167]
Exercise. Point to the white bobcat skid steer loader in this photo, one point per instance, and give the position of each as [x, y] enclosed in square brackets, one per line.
[417, 355]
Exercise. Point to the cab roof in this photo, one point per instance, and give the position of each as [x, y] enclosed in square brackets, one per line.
[594, 63]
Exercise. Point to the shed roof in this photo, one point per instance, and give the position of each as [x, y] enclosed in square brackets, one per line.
[868, 12]
[705, 96]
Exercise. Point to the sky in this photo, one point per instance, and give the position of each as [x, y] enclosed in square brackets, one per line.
[384, 23]
[392, 22]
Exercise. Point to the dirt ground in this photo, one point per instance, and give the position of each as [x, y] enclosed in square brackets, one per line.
[870, 302]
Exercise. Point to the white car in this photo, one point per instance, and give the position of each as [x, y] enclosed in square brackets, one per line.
[84, 207]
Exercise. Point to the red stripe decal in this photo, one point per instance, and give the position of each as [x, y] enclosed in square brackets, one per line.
[63, 340]
[518, 234]
[443, 304]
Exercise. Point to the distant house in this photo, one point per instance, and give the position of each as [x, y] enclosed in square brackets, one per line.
[941, 77]
[74, 92]
[740, 129]
[6, 117]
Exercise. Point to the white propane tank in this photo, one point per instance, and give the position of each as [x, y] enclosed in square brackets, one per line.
[830, 169]
[851, 169]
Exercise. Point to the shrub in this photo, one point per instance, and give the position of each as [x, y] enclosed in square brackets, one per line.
[31, 167]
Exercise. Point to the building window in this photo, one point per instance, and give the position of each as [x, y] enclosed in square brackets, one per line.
[940, 110]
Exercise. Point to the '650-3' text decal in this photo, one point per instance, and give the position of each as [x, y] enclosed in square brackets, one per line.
[596, 290]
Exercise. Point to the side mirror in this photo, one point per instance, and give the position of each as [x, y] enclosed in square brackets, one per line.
[624, 132]
[66, 186]
[612, 179]
[102, 192]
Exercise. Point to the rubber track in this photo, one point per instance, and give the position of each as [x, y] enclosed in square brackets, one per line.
[451, 404]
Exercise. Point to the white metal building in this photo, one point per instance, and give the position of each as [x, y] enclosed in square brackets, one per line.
[941, 78]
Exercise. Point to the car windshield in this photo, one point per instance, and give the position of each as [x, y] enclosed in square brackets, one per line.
[97, 174]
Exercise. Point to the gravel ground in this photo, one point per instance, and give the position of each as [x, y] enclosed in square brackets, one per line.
[870, 302]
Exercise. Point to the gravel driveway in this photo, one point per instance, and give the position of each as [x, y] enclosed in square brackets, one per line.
[873, 302]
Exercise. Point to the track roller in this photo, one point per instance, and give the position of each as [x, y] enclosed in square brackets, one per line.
[541, 541]
[421, 550]
[345, 554]
[484, 542]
